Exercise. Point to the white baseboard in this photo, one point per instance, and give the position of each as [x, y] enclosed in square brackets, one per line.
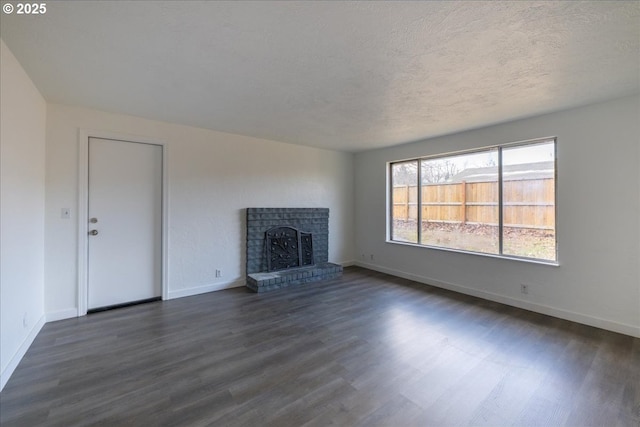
[69, 313]
[347, 263]
[180, 293]
[22, 350]
[597, 322]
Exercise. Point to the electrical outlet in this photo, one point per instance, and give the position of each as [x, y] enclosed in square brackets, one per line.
[371, 255]
[218, 273]
[524, 288]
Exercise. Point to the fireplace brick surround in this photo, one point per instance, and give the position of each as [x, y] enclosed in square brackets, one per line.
[308, 220]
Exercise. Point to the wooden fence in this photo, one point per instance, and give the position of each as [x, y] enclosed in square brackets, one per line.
[528, 203]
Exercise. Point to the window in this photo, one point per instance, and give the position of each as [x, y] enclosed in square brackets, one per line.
[499, 200]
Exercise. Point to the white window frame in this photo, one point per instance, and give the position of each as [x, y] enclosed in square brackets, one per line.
[499, 148]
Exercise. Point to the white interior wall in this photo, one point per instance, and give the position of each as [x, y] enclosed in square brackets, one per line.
[22, 189]
[598, 223]
[212, 178]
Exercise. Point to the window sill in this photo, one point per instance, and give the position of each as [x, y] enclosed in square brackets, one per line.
[460, 251]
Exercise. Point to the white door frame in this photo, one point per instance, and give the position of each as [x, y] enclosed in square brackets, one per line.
[83, 198]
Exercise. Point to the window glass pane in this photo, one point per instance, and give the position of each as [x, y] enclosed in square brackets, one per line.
[404, 201]
[528, 196]
[460, 202]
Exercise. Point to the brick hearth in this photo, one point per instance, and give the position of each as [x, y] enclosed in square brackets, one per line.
[312, 220]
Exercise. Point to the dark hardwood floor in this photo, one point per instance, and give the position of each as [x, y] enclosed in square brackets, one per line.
[368, 349]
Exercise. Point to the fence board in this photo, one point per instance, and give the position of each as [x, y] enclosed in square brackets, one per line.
[527, 203]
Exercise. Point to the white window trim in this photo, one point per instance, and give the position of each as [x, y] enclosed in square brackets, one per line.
[389, 202]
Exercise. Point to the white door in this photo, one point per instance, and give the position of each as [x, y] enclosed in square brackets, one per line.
[125, 222]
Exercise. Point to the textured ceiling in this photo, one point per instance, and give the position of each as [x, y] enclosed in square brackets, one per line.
[339, 75]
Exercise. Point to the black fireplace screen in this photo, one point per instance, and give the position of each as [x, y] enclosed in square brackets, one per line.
[288, 247]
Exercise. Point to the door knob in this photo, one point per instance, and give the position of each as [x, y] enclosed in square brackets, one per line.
[93, 232]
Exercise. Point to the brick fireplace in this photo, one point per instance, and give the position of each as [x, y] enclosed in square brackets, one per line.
[288, 247]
